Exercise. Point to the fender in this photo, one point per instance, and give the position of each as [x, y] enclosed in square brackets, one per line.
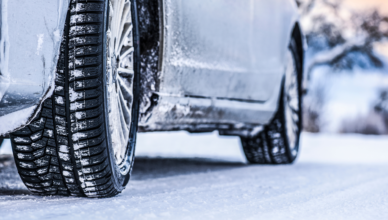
[31, 32]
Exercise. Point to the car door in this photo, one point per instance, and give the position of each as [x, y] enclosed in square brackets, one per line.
[223, 48]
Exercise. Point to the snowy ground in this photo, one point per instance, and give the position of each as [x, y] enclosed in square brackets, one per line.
[181, 176]
[348, 94]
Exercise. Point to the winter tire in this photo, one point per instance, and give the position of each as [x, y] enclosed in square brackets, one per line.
[83, 141]
[278, 142]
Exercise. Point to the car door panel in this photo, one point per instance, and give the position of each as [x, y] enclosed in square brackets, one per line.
[223, 48]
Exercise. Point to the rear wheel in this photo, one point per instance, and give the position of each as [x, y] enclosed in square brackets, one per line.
[83, 141]
[278, 142]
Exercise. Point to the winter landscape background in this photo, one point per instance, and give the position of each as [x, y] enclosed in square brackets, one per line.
[346, 65]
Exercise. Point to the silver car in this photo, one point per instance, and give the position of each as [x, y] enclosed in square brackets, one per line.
[79, 79]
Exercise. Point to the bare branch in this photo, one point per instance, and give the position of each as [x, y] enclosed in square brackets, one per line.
[327, 56]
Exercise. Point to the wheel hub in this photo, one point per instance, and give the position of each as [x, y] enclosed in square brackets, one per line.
[120, 79]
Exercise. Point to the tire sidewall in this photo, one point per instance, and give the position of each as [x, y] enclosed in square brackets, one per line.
[118, 178]
[293, 50]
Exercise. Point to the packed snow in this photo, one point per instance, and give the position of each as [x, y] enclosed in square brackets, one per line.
[204, 176]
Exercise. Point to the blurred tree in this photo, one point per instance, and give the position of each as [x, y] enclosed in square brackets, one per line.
[382, 102]
[313, 109]
[381, 106]
[374, 122]
[339, 37]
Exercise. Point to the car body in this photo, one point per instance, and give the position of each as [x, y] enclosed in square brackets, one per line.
[80, 78]
[214, 71]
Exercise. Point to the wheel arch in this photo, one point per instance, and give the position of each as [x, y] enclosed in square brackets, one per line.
[298, 36]
[33, 38]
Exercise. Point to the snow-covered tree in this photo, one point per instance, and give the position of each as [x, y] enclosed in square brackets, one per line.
[340, 37]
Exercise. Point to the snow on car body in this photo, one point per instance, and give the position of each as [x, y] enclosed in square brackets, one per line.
[31, 32]
[221, 62]
[79, 78]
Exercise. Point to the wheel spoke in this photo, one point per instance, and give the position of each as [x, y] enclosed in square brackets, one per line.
[126, 52]
[126, 38]
[121, 75]
[111, 12]
[125, 101]
[295, 118]
[125, 72]
[293, 108]
[125, 89]
[125, 21]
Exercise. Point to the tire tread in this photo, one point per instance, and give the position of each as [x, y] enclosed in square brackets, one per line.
[64, 150]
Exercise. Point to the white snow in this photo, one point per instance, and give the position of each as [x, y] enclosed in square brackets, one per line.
[20, 156]
[59, 100]
[26, 165]
[64, 156]
[73, 95]
[349, 94]
[61, 130]
[60, 120]
[4, 53]
[184, 145]
[59, 88]
[76, 73]
[18, 147]
[78, 135]
[64, 149]
[75, 18]
[46, 183]
[335, 177]
[67, 173]
[6, 147]
[22, 140]
[78, 146]
[57, 35]
[80, 115]
[36, 136]
[40, 43]
[70, 180]
[15, 119]
[80, 126]
[42, 170]
[49, 132]
[75, 106]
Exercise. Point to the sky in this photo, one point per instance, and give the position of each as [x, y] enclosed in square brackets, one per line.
[382, 5]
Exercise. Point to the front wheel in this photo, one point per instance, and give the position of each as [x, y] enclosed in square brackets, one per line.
[83, 141]
[278, 142]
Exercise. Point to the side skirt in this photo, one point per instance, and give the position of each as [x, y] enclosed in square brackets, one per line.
[201, 114]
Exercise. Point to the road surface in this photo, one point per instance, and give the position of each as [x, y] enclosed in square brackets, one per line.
[181, 176]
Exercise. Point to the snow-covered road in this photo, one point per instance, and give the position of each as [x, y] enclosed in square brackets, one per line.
[181, 176]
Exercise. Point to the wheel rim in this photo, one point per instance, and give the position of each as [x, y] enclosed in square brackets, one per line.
[120, 80]
[291, 104]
